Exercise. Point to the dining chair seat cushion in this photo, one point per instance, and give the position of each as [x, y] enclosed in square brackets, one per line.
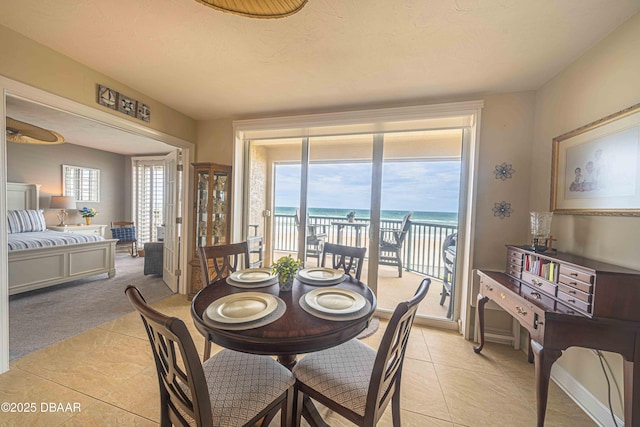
[341, 373]
[241, 385]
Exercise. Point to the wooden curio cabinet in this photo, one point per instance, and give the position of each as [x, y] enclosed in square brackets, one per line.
[212, 207]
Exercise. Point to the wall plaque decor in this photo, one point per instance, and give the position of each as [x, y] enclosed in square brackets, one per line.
[109, 98]
[502, 209]
[596, 168]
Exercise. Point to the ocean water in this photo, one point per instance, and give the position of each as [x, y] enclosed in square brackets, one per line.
[446, 218]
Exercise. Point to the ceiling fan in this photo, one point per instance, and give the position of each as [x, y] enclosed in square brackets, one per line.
[25, 133]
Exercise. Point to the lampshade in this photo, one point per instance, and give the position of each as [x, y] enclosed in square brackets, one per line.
[264, 9]
[25, 133]
[62, 202]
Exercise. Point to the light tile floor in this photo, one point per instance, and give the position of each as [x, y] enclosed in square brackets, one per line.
[109, 371]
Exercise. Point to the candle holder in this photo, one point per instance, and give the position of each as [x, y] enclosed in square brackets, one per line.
[540, 231]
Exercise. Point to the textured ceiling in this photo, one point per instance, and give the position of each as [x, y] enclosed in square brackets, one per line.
[334, 54]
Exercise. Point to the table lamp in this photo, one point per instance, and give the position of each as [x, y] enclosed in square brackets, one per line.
[63, 203]
[540, 230]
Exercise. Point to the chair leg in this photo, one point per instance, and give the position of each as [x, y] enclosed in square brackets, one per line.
[297, 418]
[287, 415]
[444, 294]
[207, 350]
[395, 405]
[399, 264]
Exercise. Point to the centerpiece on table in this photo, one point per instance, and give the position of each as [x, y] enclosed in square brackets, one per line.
[286, 268]
[87, 214]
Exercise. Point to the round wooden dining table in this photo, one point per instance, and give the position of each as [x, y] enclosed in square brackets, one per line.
[294, 333]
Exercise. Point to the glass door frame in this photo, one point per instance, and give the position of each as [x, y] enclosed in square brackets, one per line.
[462, 115]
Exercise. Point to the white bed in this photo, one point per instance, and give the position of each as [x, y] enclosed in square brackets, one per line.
[41, 267]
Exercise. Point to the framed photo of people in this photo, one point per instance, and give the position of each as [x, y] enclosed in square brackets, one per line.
[596, 168]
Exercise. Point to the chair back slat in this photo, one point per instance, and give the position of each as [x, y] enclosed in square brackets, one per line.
[183, 388]
[345, 258]
[218, 262]
[387, 368]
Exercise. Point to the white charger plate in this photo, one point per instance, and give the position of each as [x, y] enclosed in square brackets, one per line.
[335, 300]
[252, 275]
[321, 276]
[241, 307]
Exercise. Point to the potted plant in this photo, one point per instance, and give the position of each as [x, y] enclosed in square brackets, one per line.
[351, 215]
[87, 214]
[286, 269]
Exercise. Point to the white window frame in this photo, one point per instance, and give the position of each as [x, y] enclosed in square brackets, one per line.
[76, 190]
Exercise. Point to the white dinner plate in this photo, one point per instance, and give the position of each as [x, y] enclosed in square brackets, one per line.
[241, 307]
[335, 300]
[321, 274]
[252, 275]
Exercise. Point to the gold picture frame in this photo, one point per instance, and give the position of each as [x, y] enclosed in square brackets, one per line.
[596, 168]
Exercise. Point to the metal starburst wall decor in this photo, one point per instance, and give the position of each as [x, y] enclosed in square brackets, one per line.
[504, 171]
[502, 209]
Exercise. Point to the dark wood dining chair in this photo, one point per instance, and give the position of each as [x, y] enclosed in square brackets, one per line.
[354, 380]
[391, 241]
[347, 258]
[218, 262]
[229, 389]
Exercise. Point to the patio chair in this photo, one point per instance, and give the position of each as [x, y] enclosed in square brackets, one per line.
[256, 251]
[229, 389]
[449, 260]
[218, 262]
[354, 380]
[316, 236]
[125, 232]
[391, 240]
[344, 257]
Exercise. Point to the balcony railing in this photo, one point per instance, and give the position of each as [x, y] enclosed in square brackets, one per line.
[422, 247]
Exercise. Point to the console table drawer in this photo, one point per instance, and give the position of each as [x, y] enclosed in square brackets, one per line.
[575, 274]
[542, 298]
[583, 296]
[561, 308]
[572, 301]
[538, 282]
[573, 282]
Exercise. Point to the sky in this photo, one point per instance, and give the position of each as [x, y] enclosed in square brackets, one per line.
[427, 186]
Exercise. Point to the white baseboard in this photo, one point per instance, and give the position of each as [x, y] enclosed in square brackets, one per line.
[597, 410]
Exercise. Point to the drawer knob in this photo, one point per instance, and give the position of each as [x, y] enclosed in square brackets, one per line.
[572, 292]
[536, 282]
[488, 286]
[571, 300]
[573, 283]
[574, 274]
[536, 295]
[503, 296]
[538, 323]
[521, 311]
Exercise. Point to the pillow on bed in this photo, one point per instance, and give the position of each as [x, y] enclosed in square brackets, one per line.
[25, 221]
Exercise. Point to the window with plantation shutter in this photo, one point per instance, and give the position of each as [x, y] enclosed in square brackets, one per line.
[148, 181]
[81, 183]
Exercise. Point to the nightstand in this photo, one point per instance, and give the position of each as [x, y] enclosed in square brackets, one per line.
[79, 229]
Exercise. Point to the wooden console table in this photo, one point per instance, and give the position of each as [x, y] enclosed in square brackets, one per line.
[563, 301]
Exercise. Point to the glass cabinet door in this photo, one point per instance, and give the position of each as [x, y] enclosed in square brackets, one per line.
[202, 205]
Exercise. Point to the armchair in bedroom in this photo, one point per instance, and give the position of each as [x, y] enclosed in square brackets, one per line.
[125, 232]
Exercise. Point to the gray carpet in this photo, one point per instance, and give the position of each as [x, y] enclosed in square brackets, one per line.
[43, 317]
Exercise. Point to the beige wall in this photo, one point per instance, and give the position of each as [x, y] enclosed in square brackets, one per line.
[601, 82]
[42, 164]
[215, 141]
[31, 63]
